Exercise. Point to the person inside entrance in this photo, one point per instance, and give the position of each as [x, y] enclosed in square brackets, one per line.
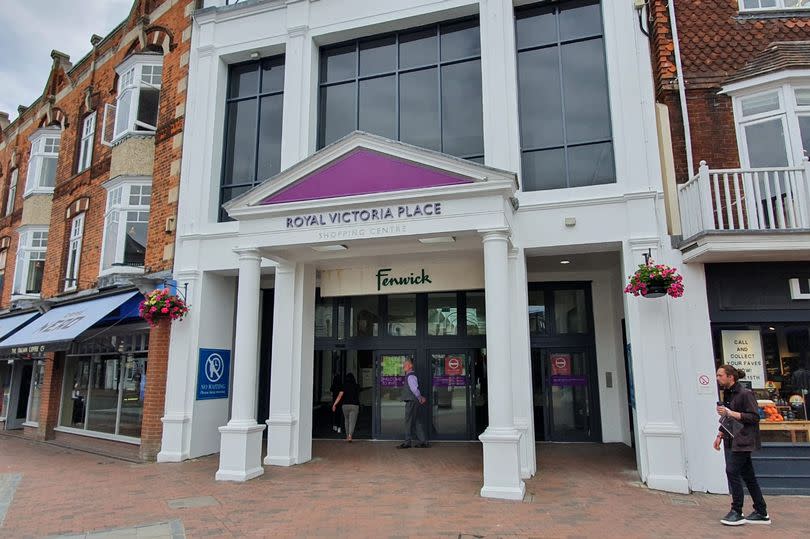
[413, 400]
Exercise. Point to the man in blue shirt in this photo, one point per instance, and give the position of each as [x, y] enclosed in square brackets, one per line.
[413, 399]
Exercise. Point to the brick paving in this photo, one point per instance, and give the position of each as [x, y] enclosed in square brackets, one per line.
[363, 489]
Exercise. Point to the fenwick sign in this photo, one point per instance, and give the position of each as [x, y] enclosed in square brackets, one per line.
[384, 280]
[372, 215]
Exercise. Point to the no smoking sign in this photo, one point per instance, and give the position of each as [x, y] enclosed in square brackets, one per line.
[705, 384]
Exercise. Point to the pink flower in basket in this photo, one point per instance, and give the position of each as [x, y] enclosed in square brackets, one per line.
[160, 305]
[655, 280]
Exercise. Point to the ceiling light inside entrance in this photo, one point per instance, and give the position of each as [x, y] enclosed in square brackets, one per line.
[438, 239]
[565, 261]
[329, 248]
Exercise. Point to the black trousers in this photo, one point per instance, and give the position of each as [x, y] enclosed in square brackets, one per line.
[412, 423]
[739, 470]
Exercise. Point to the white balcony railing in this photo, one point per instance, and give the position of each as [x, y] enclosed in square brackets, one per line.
[745, 199]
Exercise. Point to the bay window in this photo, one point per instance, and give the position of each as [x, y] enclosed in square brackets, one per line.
[126, 221]
[74, 252]
[42, 163]
[30, 263]
[773, 5]
[136, 109]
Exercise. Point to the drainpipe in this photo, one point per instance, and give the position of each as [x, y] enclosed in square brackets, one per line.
[687, 134]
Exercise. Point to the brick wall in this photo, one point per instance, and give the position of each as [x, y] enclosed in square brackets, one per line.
[155, 392]
[50, 396]
[715, 41]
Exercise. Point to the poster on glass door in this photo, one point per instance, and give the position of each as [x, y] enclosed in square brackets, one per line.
[742, 349]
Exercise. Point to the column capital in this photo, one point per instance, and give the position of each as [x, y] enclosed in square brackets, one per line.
[247, 253]
[494, 234]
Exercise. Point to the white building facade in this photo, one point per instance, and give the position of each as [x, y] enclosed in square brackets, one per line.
[504, 181]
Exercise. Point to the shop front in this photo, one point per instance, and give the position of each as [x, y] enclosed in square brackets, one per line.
[760, 315]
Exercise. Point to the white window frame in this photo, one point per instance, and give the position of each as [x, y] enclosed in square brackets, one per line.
[779, 5]
[12, 191]
[122, 199]
[74, 252]
[785, 83]
[137, 72]
[45, 145]
[33, 245]
[3, 262]
[86, 142]
[39, 371]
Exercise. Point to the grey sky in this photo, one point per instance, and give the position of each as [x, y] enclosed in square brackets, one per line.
[30, 29]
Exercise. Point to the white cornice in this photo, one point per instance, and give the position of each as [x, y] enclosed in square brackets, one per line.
[776, 78]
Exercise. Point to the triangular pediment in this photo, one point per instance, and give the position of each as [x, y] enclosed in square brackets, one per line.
[360, 165]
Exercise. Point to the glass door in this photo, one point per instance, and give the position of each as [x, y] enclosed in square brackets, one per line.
[390, 416]
[563, 383]
[450, 395]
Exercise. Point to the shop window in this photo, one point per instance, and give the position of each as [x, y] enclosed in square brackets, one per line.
[537, 312]
[136, 108]
[565, 128]
[252, 126]
[74, 252]
[86, 142]
[476, 313]
[35, 393]
[365, 316]
[5, 389]
[12, 191]
[324, 316]
[442, 315]
[570, 311]
[42, 163]
[773, 5]
[402, 315]
[776, 359]
[773, 126]
[419, 86]
[30, 263]
[126, 223]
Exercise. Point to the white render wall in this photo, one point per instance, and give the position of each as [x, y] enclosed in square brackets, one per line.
[669, 338]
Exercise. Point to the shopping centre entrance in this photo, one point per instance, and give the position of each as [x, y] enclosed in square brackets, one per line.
[371, 337]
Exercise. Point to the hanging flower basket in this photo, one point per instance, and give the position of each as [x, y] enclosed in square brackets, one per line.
[160, 305]
[654, 281]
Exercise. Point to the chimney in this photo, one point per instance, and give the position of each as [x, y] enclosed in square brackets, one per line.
[4, 121]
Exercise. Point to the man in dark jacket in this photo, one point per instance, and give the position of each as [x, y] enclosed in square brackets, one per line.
[739, 432]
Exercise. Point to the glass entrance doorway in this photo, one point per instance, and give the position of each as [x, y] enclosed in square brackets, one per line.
[331, 368]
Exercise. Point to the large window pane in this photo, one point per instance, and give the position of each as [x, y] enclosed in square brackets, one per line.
[587, 113]
[102, 406]
[378, 56]
[324, 315]
[804, 127]
[402, 315]
[34, 398]
[273, 74]
[244, 80]
[339, 63]
[442, 315]
[766, 144]
[570, 313]
[378, 106]
[540, 98]
[418, 48]
[270, 137]
[74, 393]
[365, 316]
[536, 27]
[757, 104]
[591, 164]
[462, 119]
[135, 241]
[580, 19]
[133, 388]
[148, 101]
[36, 269]
[48, 172]
[240, 151]
[543, 169]
[460, 40]
[419, 108]
[476, 313]
[338, 114]
[537, 312]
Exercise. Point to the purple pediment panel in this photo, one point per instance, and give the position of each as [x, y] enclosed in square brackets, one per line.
[363, 172]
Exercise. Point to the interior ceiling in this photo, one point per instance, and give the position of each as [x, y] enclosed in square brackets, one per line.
[578, 262]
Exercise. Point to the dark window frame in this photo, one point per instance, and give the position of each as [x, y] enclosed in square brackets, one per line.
[527, 12]
[396, 73]
[257, 96]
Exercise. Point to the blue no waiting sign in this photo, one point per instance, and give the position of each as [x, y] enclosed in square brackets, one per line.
[213, 374]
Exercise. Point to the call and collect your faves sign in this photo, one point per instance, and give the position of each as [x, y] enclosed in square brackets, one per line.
[743, 350]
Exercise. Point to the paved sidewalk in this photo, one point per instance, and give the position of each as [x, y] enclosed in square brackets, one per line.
[362, 489]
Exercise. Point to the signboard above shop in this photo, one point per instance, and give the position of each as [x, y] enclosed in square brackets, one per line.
[395, 278]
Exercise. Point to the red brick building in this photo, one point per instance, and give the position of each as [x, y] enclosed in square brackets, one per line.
[89, 176]
[739, 194]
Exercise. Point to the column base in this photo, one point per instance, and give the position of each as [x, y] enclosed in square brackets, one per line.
[240, 453]
[669, 483]
[175, 430]
[527, 449]
[280, 441]
[502, 464]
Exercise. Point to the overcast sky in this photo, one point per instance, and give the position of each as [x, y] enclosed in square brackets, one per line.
[30, 29]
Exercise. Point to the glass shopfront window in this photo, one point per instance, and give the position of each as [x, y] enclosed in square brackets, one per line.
[365, 316]
[776, 358]
[35, 396]
[402, 315]
[442, 314]
[476, 314]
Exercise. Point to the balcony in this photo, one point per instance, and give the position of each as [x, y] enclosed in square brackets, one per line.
[739, 215]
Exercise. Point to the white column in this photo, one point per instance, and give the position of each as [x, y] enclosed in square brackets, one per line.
[240, 450]
[501, 441]
[499, 85]
[300, 74]
[522, 397]
[289, 435]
